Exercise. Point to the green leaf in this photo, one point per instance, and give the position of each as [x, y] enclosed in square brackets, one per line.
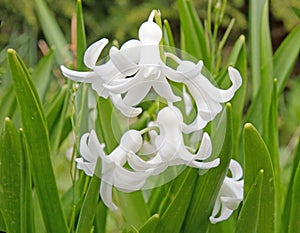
[168, 36]
[56, 117]
[88, 210]
[150, 225]
[80, 37]
[100, 218]
[35, 131]
[262, 66]
[11, 169]
[208, 185]
[257, 157]
[192, 31]
[52, 32]
[42, 74]
[294, 220]
[172, 219]
[255, 13]
[296, 11]
[27, 208]
[288, 199]
[249, 214]
[289, 48]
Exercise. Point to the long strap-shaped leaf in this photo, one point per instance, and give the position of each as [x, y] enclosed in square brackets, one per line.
[257, 157]
[36, 133]
[249, 214]
[11, 178]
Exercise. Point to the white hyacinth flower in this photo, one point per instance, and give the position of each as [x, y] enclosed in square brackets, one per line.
[208, 97]
[105, 73]
[170, 146]
[230, 194]
[112, 171]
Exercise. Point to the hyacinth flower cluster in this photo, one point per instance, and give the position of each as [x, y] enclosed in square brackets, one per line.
[126, 79]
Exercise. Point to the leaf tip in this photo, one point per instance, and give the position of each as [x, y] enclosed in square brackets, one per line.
[7, 119]
[261, 171]
[11, 51]
[248, 126]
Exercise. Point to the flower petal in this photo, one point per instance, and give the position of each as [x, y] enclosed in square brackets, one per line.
[163, 88]
[123, 63]
[205, 148]
[78, 76]
[106, 195]
[93, 51]
[126, 110]
[137, 93]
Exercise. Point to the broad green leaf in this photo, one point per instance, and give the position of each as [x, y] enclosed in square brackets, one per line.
[290, 49]
[295, 204]
[249, 214]
[288, 199]
[151, 225]
[257, 157]
[2, 222]
[80, 37]
[11, 176]
[208, 185]
[52, 32]
[172, 219]
[88, 210]
[35, 131]
[42, 74]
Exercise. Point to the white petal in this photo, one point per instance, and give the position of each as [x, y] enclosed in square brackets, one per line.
[205, 148]
[87, 167]
[123, 63]
[132, 50]
[93, 51]
[129, 181]
[106, 195]
[131, 141]
[163, 88]
[196, 125]
[85, 150]
[78, 76]
[236, 170]
[137, 93]
[225, 214]
[126, 110]
[188, 104]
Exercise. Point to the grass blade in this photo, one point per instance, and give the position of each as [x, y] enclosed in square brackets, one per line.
[52, 32]
[36, 133]
[295, 204]
[11, 198]
[290, 49]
